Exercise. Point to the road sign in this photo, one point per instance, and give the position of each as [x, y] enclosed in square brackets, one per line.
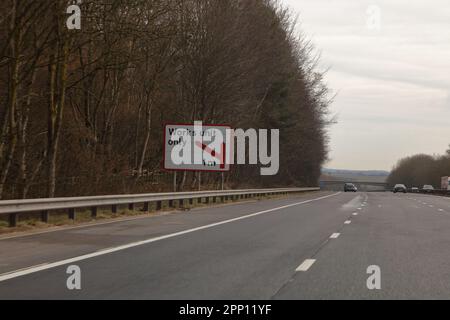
[196, 147]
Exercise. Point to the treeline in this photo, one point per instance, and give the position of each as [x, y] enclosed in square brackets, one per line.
[82, 111]
[421, 169]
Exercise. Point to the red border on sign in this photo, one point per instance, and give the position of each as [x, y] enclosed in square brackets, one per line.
[191, 124]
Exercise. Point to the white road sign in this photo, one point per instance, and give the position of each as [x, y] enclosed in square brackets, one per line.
[196, 147]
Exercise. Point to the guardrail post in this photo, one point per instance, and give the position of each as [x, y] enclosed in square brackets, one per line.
[72, 214]
[171, 203]
[181, 203]
[44, 216]
[207, 200]
[114, 208]
[146, 208]
[191, 201]
[13, 219]
[158, 205]
[94, 212]
[131, 206]
[214, 199]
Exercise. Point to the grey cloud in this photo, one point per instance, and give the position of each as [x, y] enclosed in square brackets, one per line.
[397, 77]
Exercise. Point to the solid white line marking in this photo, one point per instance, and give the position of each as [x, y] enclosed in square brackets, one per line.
[335, 235]
[26, 271]
[305, 265]
[348, 222]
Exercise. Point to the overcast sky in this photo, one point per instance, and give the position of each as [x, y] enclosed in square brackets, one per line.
[392, 78]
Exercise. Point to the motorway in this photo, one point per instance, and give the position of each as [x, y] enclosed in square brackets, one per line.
[311, 246]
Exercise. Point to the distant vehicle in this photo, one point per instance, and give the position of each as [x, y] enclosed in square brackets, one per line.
[399, 188]
[415, 189]
[350, 187]
[428, 188]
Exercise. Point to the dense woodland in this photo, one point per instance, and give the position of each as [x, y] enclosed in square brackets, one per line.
[421, 169]
[82, 111]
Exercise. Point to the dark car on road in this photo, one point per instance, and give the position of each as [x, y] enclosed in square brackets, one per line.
[399, 188]
[350, 187]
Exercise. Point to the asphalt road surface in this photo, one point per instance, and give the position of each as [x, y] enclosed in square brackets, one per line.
[313, 246]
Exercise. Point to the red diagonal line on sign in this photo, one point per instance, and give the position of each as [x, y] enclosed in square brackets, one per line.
[212, 152]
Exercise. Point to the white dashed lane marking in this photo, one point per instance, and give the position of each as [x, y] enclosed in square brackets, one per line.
[335, 235]
[305, 265]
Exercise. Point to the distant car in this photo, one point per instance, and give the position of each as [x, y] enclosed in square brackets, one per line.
[350, 187]
[415, 189]
[428, 188]
[399, 188]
